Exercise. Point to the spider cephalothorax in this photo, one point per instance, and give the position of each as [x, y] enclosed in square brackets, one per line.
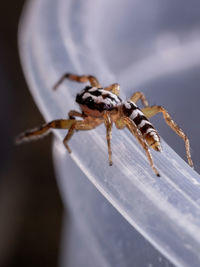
[103, 105]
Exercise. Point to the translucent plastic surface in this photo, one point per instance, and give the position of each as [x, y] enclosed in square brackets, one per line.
[65, 35]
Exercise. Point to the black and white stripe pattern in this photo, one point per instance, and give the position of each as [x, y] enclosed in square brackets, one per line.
[98, 98]
[131, 110]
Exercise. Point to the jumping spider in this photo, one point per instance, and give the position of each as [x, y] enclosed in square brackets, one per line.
[103, 105]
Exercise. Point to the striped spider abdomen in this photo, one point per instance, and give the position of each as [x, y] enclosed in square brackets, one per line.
[103, 105]
[131, 110]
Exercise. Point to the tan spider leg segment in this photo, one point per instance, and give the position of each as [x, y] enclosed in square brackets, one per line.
[134, 130]
[78, 78]
[114, 88]
[74, 113]
[68, 136]
[139, 95]
[151, 111]
[40, 131]
[80, 125]
[108, 125]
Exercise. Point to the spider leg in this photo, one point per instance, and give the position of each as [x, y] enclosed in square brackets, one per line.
[44, 129]
[78, 78]
[151, 111]
[139, 95]
[114, 88]
[74, 113]
[134, 130]
[108, 125]
[80, 125]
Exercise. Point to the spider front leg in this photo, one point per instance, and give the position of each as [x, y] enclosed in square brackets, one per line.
[78, 78]
[43, 130]
[151, 111]
[80, 125]
[108, 125]
[134, 130]
[114, 88]
[139, 95]
[74, 113]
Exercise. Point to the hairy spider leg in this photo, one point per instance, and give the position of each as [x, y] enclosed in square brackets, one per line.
[153, 110]
[43, 130]
[78, 78]
[80, 125]
[135, 131]
[139, 95]
[108, 125]
[114, 88]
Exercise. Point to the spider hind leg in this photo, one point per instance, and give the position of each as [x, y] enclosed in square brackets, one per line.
[153, 110]
[135, 131]
[139, 95]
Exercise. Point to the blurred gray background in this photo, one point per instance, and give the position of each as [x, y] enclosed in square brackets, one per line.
[30, 206]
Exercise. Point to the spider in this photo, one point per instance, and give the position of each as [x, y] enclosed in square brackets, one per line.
[103, 105]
